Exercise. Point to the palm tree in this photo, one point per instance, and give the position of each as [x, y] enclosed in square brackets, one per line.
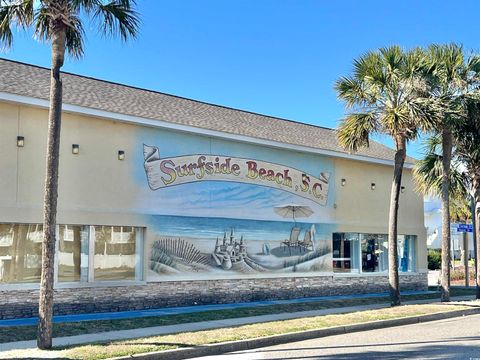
[428, 176]
[385, 95]
[464, 171]
[450, 76]
[60, 23]
[467, 136]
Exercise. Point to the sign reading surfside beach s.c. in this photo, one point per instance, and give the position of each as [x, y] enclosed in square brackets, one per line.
[191, 168]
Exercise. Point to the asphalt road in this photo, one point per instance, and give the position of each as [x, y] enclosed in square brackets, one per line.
[457, 338]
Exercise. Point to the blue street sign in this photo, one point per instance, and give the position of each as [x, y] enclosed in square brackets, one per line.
[464, 228]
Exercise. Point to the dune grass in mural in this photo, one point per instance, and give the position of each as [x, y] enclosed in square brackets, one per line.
[174, 255]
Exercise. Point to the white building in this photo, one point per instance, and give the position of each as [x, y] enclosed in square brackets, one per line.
[433, 223]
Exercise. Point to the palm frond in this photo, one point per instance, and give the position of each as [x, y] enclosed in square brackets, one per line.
[460, 208]
[367, 65]
[74, 37]
[42, 24]
[432, 145]
[467, 135]
[393, 60]
[425, 113]
[118, 17]
[114, 17]
[427, 175]
[6, 36]
[87, 5]
[428, 172]
[355, 129]
[351, 91]
[418, 69]
[14, 13]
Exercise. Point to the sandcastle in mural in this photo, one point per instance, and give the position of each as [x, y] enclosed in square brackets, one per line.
[230, 251]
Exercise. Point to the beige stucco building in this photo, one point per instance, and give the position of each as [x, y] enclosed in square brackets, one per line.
[168, 201]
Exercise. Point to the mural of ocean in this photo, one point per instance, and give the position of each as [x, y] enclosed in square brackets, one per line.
[211, 227]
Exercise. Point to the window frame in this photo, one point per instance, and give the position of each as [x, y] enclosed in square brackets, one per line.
[360, 271]
[89, 281]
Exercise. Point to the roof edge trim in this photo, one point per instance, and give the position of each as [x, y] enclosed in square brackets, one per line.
[76, 109]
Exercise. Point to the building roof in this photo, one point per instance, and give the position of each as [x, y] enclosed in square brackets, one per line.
[33, 81]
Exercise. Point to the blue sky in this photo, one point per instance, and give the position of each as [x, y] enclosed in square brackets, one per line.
[277, 57]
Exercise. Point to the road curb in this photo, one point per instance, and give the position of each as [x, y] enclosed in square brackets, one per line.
[241, 345]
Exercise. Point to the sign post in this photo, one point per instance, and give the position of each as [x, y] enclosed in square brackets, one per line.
[465, 228]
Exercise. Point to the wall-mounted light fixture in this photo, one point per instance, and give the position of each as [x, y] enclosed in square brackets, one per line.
[343, 182]
[372, 186]
[20, 141]
[402, 189]
[75, 149]
[121, 155]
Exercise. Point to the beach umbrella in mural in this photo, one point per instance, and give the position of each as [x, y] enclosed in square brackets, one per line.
[294, 211]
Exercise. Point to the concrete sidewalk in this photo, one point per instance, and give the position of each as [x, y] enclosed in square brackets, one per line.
[205, 325]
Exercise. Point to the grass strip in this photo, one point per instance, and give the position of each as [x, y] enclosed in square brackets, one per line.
[20, 333]
[159, 343]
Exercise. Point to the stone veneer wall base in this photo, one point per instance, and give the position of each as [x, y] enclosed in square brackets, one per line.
[24, 303]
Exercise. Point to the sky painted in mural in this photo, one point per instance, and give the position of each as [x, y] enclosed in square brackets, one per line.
[251, 230]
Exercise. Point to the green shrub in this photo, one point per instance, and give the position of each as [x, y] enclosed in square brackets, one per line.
[434, 259]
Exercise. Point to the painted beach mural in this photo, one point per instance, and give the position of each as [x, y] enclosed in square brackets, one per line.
[200, 246]
[240, 213]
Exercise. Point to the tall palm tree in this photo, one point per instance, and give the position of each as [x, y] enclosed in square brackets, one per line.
[450, 76]
[467, 136]
[385, 95]
[60, 23]
[464, 171]
[428, 176]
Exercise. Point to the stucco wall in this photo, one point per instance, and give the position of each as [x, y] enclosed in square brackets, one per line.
[360, 209]
[96, 188]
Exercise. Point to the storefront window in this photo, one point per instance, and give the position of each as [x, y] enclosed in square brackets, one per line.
[345, 252]
[406, 253]
[83, 253]
[20, 253]
[114, 253]
[71, 258]
[371, 250]
[374, 252]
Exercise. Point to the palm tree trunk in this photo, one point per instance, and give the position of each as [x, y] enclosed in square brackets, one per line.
[476, 192]
[446, 160]
[465, 258]
[393, 223]
[45, 312]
